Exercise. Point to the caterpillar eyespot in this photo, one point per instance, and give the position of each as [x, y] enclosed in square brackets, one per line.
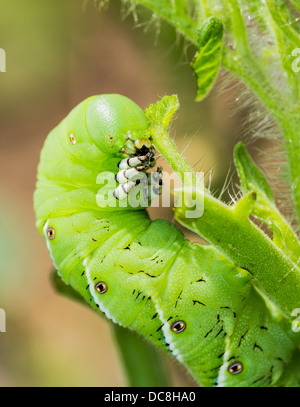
[150, 268]
[101, 287]
[235, 368]
[72, 138]
[50, 233]
[178, 326]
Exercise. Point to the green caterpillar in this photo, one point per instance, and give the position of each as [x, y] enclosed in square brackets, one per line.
[142, 274]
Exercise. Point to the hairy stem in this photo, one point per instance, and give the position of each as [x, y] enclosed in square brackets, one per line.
[274, 16]
[230, 230]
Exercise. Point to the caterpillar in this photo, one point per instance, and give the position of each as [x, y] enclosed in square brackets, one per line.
[184, 297]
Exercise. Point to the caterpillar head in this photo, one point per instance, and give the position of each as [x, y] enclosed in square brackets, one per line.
[117, 125]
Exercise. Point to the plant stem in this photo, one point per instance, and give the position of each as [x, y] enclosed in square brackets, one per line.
[142, 362]
[249, 68]
[233, 234]
[290, 124]
[168, 149]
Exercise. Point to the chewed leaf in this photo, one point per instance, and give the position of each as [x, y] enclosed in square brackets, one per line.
[252, 179]
[160, 114]
[207, 60]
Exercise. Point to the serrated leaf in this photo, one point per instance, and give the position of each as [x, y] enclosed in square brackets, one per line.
[207, 60]
[160, 114]
[252, 179]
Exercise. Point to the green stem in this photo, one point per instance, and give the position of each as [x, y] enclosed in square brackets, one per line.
[234, 235]
[290, 124]
[168, 149]
[248, 68]
[183, 23]
[296, 4]
[238, 29]
[142, 362]
[279, 12]
[230, 230]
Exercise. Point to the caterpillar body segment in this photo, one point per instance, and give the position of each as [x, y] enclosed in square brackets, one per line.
[185, 298]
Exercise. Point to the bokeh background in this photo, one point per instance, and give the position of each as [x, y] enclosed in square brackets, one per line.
[58, 53]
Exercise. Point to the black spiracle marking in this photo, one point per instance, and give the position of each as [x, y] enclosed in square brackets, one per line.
[221, 330]
[178, 298]
[198, 302]
[159, 328]
[119, 265]
[206, 335]
[142, 271]
[257, 347]
[214, 368]
[242, 337]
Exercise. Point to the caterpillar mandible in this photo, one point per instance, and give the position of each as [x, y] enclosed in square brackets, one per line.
[184, 297]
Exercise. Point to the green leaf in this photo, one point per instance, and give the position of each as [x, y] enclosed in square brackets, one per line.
[160, 114]
[252, 179]
[207, 60]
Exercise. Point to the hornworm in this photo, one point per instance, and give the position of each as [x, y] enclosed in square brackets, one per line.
[185, 297]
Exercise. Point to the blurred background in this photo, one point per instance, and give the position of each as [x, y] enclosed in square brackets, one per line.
[58, 53]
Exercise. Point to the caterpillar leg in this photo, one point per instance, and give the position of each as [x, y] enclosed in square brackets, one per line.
[146, 161]
[155, 183]
[130, 169]
[131, 174]
[130, 178]
[123, 190]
